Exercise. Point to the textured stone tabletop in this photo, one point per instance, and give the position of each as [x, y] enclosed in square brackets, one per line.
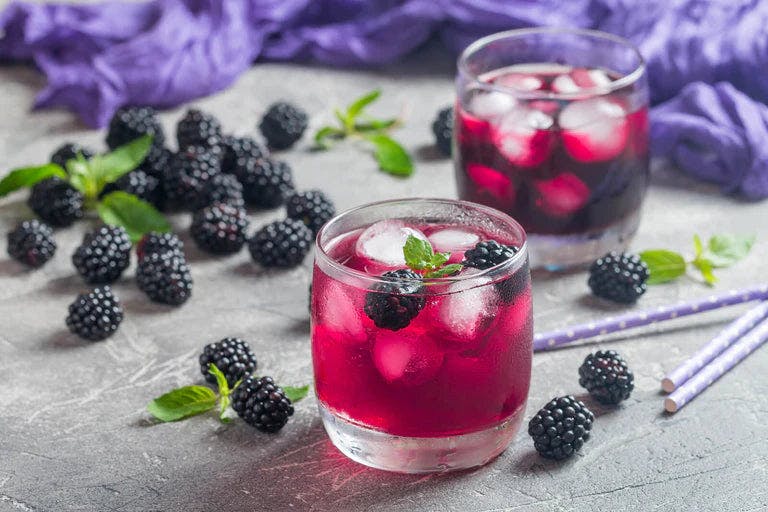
[74, 434]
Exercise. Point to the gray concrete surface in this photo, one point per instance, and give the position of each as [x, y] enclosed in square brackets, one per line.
[74, 435]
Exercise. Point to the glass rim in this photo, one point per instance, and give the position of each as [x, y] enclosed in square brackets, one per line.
[600, 90]
[496, 270]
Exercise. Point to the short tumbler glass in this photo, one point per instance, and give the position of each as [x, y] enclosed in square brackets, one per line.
[551, 127]
[426, 375]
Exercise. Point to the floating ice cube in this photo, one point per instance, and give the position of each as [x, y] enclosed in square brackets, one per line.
[562, 195]
[491, 105]
[580, 79]
[467, 313]
[406, 358]
[382, 243]
[523, 136]
[337, 310]
[494, 182]
[565, 84]
[595, 129]
[520, 81]
[453, 240]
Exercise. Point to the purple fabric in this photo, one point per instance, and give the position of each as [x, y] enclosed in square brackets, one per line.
[98, 57]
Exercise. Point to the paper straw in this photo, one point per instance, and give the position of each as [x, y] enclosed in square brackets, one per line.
[554, 339]
[711, 350]
[717, 368]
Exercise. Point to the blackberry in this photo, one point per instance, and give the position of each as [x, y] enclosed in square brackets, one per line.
[283, 243]
[198, 128]
[130, 123]
[561, 427]
[393, 304]
[31, 243]
[221, 188]
[266, 182]
[56, 202]
[159, 243]
[262, 404]
[220, 228]
[188, 172]
[165, 278]
[442, 127]
[95, 315]
[103, 255]
[237, 150]
[283, 125]
[488, 254]
[69, 151]
[156, 162]
[312, 207]
[140, 184]
[606, 376]
[618, 277]
[232, 356]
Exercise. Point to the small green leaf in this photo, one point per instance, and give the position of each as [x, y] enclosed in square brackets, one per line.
[182, 403]
[418, 253]
[223, 385]
[698, 245]
[111, 166]
[725, 250]
[705, 267]
[376, 125]
[663, 265]
[390, 155]
[137, 217]
[295, 394]
[326, 134]
[357, 106]
[446, 271]
[28, 176]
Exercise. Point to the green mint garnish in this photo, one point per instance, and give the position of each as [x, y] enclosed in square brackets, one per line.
[29, 176]
[295, 394]
[421, 257]
[136, 216]
[355, 123]
[720, 251]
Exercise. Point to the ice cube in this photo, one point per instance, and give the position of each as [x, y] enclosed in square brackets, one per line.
[520, 81]
[523, 136]
[382, 244]
[453, 240]
[580, 79]
[562, 195]
[406, 358]
[466, 313]
[337, 311]
[595, 129]
[565, 84]
[491, 105]
[497, 184]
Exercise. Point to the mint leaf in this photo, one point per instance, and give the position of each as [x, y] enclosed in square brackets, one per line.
[446, 271]
[295, 394]
[663, 265]
[111, 166]
[390, 155]
[324, 135]
[418, 253]
[357, 106]
[182, 403]
[705, 267]
[224, 392]
[376, 125]
[28, 176]
[137, 217]
[697, 245]
[725, 250]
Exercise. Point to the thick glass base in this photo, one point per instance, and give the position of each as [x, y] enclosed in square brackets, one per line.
[561, 252]
[419, 454]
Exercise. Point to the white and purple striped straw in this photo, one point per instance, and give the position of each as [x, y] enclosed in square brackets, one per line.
[711, 350]
[717, 368]
[554, 339]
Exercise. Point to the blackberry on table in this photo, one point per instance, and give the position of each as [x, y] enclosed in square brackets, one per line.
[262, 404]
[266, 182]
[31, 243]
[283, 243]
[95, 315]
[394, 303]
[283, 124]
[237, 150]
[198, 128]
[232, 356]
[156, 162]
[221, 188]
[159, 243]
[488, 254]
[130, 123]
[188, 173]
[220, 228]
[312, 207]
[606, 376]
[140, 184]
[56, 202]
[618, 277]
[165, 278]
[442, 127]
[69, 151]
[561, 427]
[103, 255]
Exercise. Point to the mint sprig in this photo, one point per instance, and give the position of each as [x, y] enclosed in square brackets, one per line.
[720, 251]
[421, 257]
[90, 176]
[354, 122]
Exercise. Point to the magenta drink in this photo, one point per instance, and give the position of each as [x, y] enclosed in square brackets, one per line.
[416, 373]
[552, 128]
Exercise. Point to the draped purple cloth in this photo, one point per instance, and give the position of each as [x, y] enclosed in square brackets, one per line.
[98, 57]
